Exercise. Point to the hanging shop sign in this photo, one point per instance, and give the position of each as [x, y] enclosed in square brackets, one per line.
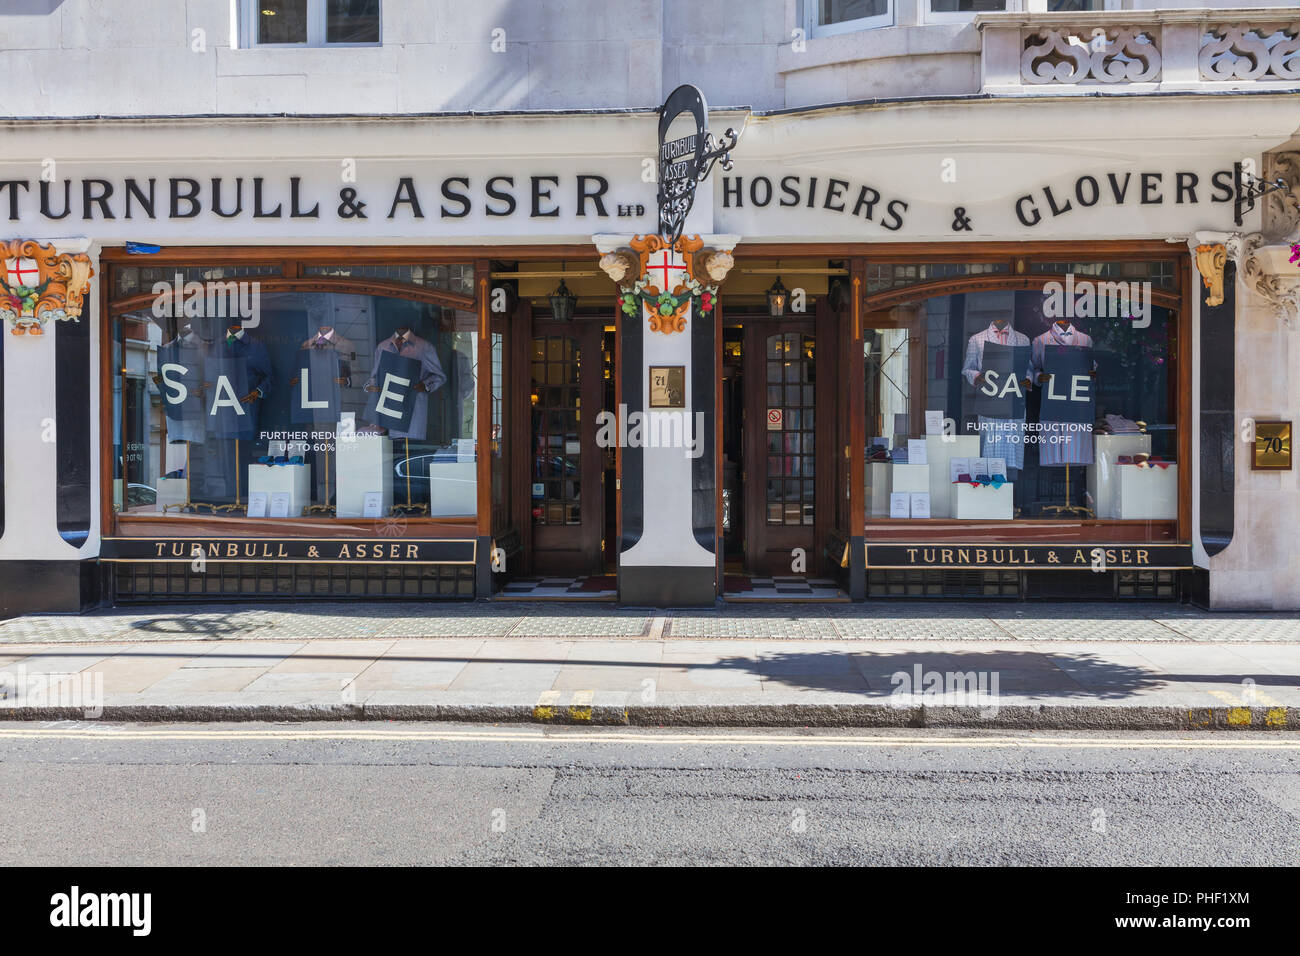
[685, 162]
[1007, 557]
[291, 550]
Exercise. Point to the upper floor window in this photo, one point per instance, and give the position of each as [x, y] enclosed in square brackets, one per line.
[826, 17]
[963, 9]
[311, 22]
[940, 10]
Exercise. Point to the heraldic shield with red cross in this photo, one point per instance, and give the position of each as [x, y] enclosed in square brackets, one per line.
[666, 283]
[38, 283]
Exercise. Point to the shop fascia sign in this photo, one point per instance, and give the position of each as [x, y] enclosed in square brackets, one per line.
[1101, 201]
[379, 198]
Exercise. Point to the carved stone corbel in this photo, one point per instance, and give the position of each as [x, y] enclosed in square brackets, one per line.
[1211, 258]
[1280, 291]
[1282, 208]
[1261, 267]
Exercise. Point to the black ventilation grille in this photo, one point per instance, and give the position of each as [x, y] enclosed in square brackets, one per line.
[895, 582]
[176, 581]
[1044, 586]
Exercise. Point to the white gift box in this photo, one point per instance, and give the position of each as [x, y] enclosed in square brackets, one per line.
[878, 489]
[910, 478]
[363, 463]
[1103, 475]
[293, 480]
[1148, 493]
[453, 488]
[984, 502]
[940, 453]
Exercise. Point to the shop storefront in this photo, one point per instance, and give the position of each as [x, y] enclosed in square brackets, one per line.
[875, 366]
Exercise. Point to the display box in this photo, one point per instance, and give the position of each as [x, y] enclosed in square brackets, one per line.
[985, 502]
[362, 463]
[173, 491]
[453, 488]
[878, 488]
[293, 480]
[910, 478]
[1103, 474]
[940, 452]
[1148, 493]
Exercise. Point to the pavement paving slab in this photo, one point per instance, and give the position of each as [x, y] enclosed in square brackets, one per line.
[927, 664]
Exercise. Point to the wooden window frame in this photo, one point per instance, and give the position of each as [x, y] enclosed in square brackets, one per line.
[291, 259]
[1020, 257]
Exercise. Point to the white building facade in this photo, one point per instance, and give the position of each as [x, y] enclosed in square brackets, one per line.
[332, 298]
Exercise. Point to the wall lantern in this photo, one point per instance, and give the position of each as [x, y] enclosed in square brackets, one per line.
[777, 297]
[563, 302]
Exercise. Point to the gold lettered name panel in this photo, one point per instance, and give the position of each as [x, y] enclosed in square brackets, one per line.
[293, 550]
[1032, 557]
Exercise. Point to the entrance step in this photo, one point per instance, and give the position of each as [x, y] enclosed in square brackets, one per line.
[741, 587]
[596, 587]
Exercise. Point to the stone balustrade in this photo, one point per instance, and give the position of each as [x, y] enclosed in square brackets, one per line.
[1139, 51]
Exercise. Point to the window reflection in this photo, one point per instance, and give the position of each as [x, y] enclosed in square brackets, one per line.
[326, 404]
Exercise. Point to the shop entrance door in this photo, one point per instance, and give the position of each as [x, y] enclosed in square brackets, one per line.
[780, 474]
[567, 491]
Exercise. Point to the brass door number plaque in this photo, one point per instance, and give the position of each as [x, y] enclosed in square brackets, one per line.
[1272, 447]
[668, 386]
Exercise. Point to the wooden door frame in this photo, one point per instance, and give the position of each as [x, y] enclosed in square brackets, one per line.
[589, 332]
[757, 329]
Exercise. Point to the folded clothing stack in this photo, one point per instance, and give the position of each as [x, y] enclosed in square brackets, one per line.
[1143, 461]
[1119, 425]
[997, 481]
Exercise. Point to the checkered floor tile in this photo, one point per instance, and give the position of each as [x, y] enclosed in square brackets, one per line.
[783, 589]
[575, 588]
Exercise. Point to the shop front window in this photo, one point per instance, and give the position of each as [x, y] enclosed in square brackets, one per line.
[1056, 403]
[309, 405]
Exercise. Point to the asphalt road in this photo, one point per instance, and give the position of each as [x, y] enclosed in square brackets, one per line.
[384, 793]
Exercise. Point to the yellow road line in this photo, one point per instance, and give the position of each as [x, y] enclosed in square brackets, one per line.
[580, 706]
[544, 709]
[623, 736]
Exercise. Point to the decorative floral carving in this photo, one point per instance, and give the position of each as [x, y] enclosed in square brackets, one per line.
[1263, 51]
[38, 283]
[1107, 55]
[666, 308]
[1282, 208]
[1282, 292]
